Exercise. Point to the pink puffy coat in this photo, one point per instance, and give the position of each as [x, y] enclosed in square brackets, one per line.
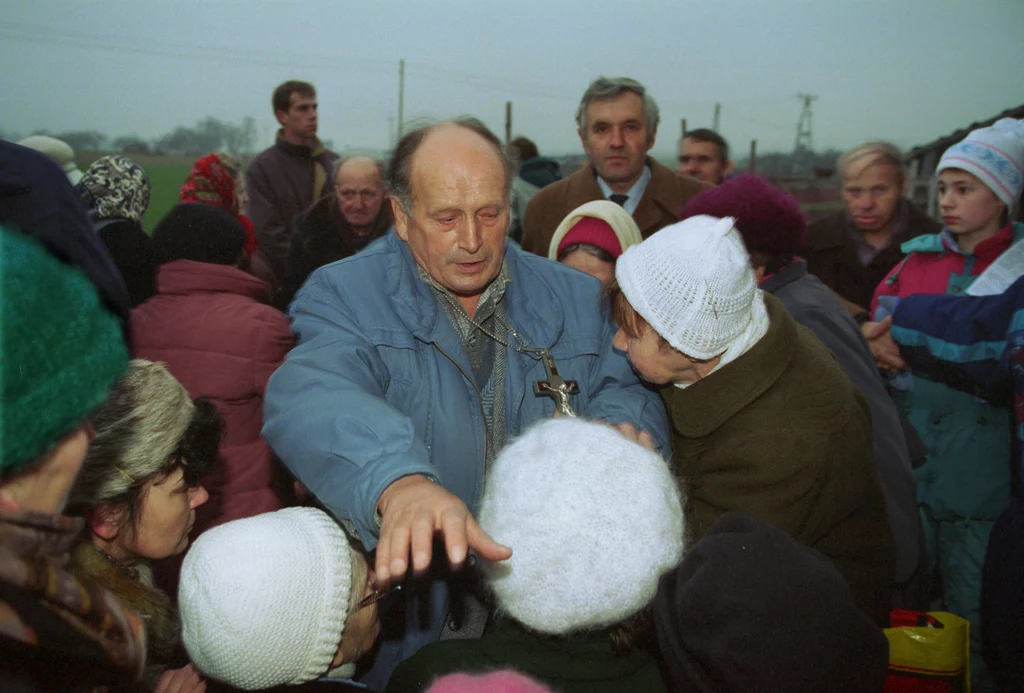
[209, 323]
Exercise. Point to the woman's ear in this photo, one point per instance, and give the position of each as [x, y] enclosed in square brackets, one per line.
[104, 521]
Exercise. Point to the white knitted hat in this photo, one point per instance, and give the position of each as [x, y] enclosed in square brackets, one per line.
[692, 282]
[593, 520]
[995, 155]
[264, 599]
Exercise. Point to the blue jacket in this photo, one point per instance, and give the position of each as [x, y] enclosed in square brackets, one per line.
[972, 343]
[965, 478]
[976, 344]
[379, 387]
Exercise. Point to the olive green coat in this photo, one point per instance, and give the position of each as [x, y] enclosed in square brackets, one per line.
[782, 434]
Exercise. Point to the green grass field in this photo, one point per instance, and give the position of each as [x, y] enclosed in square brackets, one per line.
[166, 181]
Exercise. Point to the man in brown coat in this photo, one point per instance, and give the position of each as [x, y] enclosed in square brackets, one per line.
[617, 123]
[763, 419]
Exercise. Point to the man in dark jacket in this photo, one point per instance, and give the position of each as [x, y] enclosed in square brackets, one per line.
[618, 122]
[287, 178]
[340, 224]
[852, 250]
[773, 229]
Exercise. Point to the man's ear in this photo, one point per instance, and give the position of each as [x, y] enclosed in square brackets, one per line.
[727, 169]
[105, 521]
[280, 117]
[583, 142]
[401, 218]
[651, 138]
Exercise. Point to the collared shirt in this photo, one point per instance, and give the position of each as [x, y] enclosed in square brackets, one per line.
[633, 194]
[487, 357]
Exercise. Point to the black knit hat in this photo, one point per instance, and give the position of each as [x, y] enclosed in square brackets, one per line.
[750, 610]
[199, 232]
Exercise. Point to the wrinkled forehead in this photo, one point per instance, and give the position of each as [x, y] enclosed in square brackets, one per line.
[359, 175]
[462, 166]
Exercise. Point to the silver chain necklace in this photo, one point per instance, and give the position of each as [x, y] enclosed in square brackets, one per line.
[522, 347]
[555, 386]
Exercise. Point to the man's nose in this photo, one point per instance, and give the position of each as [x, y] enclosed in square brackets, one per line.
[470, 236]
[618, 140]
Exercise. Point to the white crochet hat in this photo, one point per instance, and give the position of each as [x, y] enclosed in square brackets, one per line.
[692, 282]
[995, 155]
[593, 520]
[264, 599]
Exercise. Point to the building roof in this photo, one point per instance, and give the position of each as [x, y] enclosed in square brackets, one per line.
[952, 138]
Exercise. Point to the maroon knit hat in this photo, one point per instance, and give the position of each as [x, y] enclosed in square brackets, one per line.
[769, 220]
[593, 231]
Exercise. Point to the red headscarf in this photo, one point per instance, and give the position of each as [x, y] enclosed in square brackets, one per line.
[209, 183]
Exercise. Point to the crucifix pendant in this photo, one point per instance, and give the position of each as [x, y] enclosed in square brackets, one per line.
[555, 386]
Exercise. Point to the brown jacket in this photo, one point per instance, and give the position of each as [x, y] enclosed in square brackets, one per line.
[282, 182]
[781, 433]
[666, 192]
[832, 256]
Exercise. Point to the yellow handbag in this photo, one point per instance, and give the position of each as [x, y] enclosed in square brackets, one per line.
[928, 653]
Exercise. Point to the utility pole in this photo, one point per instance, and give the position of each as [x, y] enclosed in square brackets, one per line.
[804, 134]
[753, 156]
[682, 130]
[391, 132]
[508, 122]
[401, 98]
[718, 113]
[804, 147]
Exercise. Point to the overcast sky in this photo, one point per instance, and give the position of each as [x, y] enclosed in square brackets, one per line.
[905, 70]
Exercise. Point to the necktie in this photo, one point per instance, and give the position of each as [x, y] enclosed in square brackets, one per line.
[619, 199]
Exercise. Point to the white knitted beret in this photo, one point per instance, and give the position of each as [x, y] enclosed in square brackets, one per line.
[995, 155]
[264, 599]
[692, 282]
[593, 520]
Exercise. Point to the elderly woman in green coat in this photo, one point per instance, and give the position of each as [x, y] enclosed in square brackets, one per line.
[763, 418]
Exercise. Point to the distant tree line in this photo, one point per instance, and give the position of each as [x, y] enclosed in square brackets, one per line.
[205, 136]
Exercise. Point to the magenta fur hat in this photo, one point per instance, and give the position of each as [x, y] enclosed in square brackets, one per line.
[497, 682]
[769, 220]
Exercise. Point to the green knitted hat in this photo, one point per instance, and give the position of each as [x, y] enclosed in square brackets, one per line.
[62, 350]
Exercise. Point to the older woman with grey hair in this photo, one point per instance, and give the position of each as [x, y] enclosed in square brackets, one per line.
[138, 491]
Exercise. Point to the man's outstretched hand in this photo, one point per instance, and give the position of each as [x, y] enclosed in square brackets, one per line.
[413, 509]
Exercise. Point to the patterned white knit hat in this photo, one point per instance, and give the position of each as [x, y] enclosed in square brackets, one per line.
[264, 599]
[995, 155]
[692, 282]
[593, 520]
